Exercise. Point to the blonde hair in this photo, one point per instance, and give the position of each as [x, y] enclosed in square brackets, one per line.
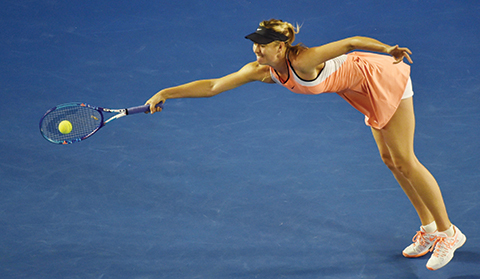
[286, 29]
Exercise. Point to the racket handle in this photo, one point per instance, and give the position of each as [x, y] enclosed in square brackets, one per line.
[144, 108]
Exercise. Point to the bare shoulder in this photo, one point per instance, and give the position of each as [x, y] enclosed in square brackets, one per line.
[257, 72]
[313, 59]
[306, 63]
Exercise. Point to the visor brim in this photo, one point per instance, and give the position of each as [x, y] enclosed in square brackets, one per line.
[259, 39]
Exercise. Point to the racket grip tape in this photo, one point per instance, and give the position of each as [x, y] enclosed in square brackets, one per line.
[144, 108]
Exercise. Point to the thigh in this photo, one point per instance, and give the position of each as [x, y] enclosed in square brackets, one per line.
[398, 134]
[382, 147]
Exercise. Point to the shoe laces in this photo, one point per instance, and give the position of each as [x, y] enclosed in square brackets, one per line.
[442, 246]
[420, 238]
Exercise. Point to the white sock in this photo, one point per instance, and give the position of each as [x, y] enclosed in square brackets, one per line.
[450, 232]
[430, 228]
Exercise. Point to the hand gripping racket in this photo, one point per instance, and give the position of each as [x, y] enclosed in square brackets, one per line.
[82, 121]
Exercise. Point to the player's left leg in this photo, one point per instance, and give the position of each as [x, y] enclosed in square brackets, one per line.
[398, 136]
[425, 238]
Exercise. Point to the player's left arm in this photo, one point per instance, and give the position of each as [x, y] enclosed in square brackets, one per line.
[312, 57]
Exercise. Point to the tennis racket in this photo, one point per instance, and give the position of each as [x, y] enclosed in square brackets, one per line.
[82, 121]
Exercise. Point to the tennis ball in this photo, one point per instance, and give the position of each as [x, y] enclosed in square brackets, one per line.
[65, 127]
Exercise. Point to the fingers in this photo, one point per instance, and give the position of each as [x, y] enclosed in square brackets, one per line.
[400, 59]
[406, 53]
[408, 56]
[399, 53]
[153, 109]
[153, 106]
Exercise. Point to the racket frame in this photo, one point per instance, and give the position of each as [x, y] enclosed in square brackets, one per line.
[120, 113]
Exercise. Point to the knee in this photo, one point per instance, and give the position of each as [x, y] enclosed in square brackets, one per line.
[404, 164]
[399, 164]
[388, 161]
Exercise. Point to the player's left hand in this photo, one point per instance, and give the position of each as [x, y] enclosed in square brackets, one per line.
[399, 53]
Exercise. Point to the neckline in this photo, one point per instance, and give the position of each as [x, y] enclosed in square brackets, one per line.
[289, 66]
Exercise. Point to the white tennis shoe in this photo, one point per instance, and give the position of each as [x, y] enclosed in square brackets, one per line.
[444, 248]
[422, 243]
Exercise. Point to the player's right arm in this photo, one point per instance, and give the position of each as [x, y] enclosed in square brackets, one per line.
[211, 87]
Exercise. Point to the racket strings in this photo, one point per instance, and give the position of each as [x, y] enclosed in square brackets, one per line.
[84, 122]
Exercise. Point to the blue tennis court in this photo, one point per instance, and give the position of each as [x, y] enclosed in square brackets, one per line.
[256, 182]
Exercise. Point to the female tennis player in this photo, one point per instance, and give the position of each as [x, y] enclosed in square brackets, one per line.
[377, 85]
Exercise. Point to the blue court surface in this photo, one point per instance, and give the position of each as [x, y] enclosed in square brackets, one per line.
[257, 182]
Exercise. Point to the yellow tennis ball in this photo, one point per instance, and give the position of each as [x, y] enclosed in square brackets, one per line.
[65, 127]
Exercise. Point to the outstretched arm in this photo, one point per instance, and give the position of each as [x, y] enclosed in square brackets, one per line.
[211, 87]
[315, 56]
[365, 43]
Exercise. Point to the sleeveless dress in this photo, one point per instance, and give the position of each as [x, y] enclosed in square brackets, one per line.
[369, 82]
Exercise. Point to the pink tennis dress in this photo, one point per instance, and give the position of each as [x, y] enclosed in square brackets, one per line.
[370, 82]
